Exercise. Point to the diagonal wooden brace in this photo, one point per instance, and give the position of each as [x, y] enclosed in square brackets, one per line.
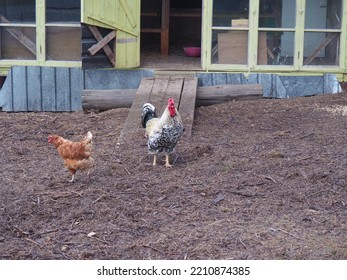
[102, 43]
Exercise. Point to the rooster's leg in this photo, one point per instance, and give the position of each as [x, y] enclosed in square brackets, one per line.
[155, 160]
[167, 162]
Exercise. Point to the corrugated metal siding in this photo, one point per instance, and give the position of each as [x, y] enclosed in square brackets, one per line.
[42, 89]
[276, 86]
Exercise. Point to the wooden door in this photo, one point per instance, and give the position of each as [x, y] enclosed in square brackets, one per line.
[122, 16]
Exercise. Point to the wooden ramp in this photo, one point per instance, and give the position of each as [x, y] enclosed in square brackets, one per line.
[157, 90]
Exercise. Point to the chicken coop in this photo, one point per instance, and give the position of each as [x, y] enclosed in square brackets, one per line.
[301, 38]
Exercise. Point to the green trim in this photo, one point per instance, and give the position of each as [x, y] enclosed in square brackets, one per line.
[112, 24]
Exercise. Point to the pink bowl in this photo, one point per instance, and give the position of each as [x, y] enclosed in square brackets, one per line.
[192, 51]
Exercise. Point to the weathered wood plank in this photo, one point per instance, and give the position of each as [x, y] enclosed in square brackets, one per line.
[98, 46]
[75, 90]
[132, 125]
[107, 99]
[106, 48]
[34, 88]
[49, 88]
[174, 90]
[205, 96]
[19, 89]
[157, 95]
[222, 93]
[187, 104]
[63, 89]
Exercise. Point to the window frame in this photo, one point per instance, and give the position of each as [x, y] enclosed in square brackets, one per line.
[40, 25]
[253, 30]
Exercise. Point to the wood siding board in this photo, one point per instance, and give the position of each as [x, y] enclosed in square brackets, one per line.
[250, 79]
[19, 89]
[266, 80]
[6, 92]
[34, 88]
[63, 89]
[76, 89]
[129, 14]
[233, 78]
[48, 86]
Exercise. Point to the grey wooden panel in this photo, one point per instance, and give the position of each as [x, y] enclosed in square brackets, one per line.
[48, 89]
[63, 89]
[34, 91]
[19, 89]
[249, 79]
[234, 78]
[76, 89]
[6, 94]
[113, 78]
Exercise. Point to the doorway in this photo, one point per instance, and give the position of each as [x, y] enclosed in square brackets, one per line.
[167, 27]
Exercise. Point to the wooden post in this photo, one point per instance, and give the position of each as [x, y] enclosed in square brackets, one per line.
[165, 27]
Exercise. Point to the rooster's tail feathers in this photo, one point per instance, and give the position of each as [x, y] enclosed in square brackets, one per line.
[148, 112]
[88, 137]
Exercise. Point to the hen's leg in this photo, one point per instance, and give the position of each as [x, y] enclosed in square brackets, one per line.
[167, 161]
[72, 171]
[72, 179]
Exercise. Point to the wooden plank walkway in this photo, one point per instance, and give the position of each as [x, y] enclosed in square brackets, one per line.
[157, 90]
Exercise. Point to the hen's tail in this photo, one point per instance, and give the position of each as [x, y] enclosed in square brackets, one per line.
[88, 137]
[148, 112]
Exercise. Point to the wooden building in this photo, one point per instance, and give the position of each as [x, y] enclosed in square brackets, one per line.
[292, 37]
[296, 36]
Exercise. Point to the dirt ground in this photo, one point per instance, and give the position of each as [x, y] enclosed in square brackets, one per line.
[262, 179]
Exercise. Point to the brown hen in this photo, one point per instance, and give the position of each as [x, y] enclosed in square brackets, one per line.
[76, 155]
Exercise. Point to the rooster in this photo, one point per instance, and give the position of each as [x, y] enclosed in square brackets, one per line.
[76, 155]
[162, 133]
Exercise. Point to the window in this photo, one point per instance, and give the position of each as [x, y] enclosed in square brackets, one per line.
[230, 32]
[63, 31]
[17, 29]
[277, 31]
[41, 30]
[322, 32]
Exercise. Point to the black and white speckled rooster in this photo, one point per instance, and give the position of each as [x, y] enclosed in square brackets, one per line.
[162, 133]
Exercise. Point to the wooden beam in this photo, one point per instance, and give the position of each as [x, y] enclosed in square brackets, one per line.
[98, 46]
[107, 99]
[151, 30]
[106, 48]
[165, 26]
[205, 96]
[218, 94]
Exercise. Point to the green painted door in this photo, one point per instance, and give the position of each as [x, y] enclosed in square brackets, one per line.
[123, 16]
